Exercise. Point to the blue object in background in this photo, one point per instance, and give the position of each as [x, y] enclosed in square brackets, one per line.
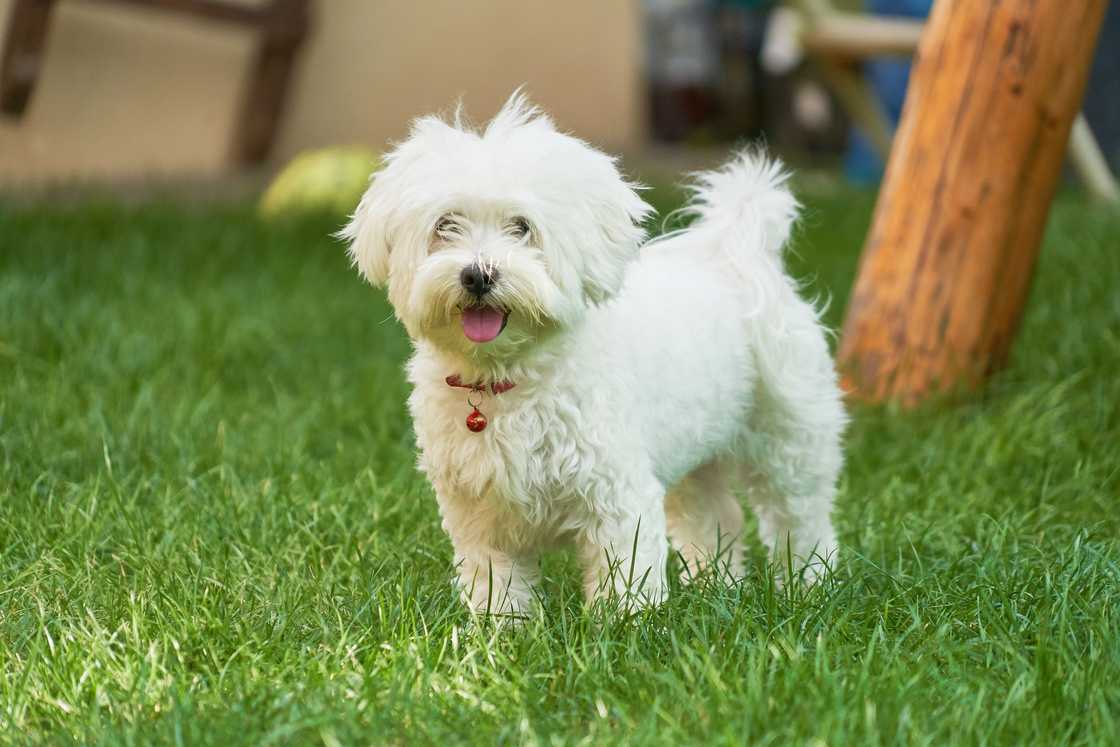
[1102, 97]
[888, 78]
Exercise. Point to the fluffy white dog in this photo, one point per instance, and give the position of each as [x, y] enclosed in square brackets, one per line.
[571, 384]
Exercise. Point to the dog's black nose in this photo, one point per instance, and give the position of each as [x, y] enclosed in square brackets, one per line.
[478, 281]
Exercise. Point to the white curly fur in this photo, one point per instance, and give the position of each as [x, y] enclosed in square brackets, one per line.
[649, 384]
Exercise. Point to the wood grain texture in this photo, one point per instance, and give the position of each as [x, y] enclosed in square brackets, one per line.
[948, 261]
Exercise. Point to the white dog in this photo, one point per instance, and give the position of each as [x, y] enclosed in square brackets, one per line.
[571, 384]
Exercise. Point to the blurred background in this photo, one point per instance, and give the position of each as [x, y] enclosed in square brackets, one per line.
[126, 91]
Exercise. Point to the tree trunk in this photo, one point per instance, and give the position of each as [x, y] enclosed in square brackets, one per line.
[956, 231]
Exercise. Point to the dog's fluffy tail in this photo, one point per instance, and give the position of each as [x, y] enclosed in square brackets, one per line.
[748, 200]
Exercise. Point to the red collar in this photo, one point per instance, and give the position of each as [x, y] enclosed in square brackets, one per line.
[497, 387]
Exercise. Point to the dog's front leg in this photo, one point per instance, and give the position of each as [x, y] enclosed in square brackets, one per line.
[624, 554]
[491, 579]
[493, 582]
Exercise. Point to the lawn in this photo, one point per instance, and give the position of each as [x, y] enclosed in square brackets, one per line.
[212, 532]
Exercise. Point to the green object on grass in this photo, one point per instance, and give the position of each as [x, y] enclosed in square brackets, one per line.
[328, 180]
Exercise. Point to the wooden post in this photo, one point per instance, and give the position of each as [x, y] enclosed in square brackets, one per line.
[948, 262]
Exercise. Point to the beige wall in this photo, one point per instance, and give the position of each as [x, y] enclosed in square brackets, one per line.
[131, 92]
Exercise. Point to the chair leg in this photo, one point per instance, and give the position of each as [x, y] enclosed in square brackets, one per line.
[24, 41]
[1090, 164]
[860, 102]
[269, 80]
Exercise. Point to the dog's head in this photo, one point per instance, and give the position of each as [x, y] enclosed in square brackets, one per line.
[491, 241]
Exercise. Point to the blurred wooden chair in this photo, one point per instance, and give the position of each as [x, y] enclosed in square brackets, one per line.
[282, 25]
[839, 40]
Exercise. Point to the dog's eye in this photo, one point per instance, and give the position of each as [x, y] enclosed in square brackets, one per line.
[518, 228]
[448, 226]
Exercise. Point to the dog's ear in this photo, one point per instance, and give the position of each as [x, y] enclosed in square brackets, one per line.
[618, 213]
[368, 232]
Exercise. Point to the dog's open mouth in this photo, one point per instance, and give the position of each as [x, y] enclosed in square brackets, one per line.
[483, 323]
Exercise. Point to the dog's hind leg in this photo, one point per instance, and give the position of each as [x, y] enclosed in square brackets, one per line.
[705, 521]
[793, 459]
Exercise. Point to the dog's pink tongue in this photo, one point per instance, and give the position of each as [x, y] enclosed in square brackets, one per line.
[482, 323]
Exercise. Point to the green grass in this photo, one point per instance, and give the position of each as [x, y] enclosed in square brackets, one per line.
[211, 531]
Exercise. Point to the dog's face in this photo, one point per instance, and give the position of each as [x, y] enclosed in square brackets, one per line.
[493, 241]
